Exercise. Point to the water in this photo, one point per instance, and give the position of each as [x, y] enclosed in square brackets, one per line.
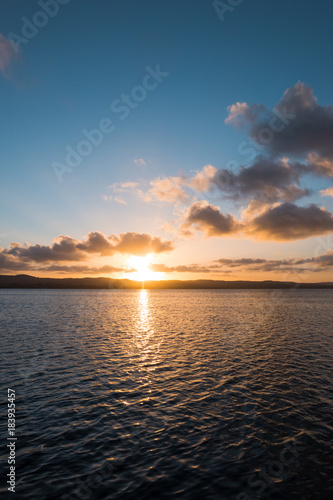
[158, 394]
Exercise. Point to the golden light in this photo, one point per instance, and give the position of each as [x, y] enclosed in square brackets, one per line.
[143, 272]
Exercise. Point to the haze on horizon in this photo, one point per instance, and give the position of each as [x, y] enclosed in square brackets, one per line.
[167, 149]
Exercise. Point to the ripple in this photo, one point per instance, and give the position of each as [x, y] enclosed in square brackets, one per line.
[170, 394]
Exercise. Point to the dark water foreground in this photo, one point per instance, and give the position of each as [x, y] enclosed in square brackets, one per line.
[201, 394]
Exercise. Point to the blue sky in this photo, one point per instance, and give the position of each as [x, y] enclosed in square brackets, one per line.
[90, 53]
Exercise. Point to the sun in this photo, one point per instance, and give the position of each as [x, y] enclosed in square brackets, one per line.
[143, 271]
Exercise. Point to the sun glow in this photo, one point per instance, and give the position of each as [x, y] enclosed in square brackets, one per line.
[142, 270]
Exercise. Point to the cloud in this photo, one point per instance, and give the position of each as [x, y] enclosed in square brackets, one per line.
[97, 243]
[260, 265]
[265, 191]
[202, 181]
[254, 265]
[173, 189]
[167, 189]
[298, 125]
[194, 268]
[9, 263]
[324, 261]
[7, 54]
[140, 161]
[315, 264]
[267, 181]
[142, 244]
[64, 248]
[130, 243]
[321, 167]
[290, 222]
[241, 112]
[121, 187]
[327, 192]
[119, 200]
[67, 249]
[84, 269]
[282, 222]
[210, 220]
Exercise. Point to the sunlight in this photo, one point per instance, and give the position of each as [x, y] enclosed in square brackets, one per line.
[147, 346]
[142, 267]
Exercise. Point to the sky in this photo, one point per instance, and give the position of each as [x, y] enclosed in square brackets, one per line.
[167, 140]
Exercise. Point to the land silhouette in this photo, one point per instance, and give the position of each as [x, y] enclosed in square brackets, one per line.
[26, 281]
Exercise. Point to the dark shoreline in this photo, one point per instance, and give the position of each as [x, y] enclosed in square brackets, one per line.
[25, 281]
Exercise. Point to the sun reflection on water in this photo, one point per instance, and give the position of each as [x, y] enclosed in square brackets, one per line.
[146, 344]
[143, 323]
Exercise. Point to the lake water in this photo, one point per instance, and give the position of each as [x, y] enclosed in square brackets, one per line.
[162, 394]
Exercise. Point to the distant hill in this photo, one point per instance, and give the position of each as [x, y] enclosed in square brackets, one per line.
[25, 281]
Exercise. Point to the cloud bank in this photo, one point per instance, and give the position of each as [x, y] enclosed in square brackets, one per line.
[320, 263]
[66, 249]
[283, 222]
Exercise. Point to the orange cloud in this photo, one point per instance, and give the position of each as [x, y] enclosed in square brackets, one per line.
[320, 166]
[167, 189]
[327, 192]
[67, 249]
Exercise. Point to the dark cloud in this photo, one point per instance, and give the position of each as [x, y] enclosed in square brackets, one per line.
[325, 260]
[290, 222]
[9, 263]
[283, 222]
[268, 181]
[319, 263]
[298, 125]
[210, 220]
[97, 242]
[63, 249]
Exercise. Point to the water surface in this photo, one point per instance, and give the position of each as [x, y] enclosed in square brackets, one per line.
[158, 394]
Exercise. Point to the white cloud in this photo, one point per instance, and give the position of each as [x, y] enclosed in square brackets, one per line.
[139, 161]
[120, 200]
